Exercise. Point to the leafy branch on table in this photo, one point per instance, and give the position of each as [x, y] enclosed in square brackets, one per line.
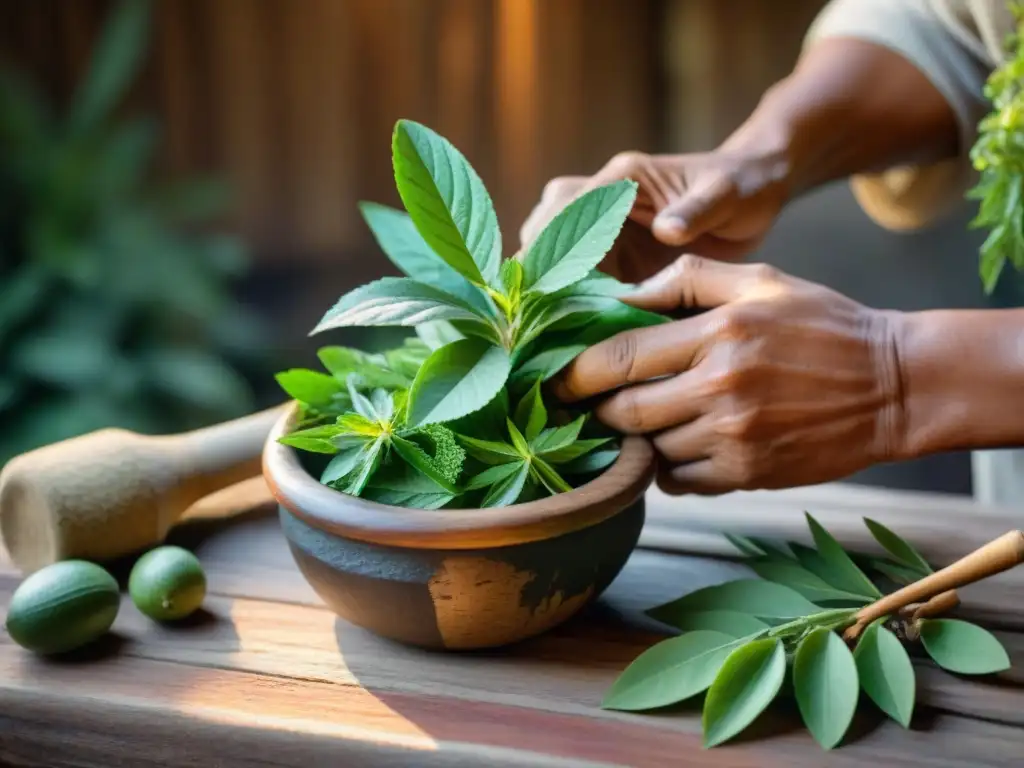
[741, 638]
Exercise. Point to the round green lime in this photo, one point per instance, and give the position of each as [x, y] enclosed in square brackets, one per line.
[167, 583]
[62, 607]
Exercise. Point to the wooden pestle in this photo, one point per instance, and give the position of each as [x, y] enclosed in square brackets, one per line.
[995, 557]
[114, 492]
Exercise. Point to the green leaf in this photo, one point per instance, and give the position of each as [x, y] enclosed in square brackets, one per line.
[573, 451]
[374, 453]
[763, 599]
[592, 462]
[488, 421]
[456, 380]
[898, 573]
[670, 672]
[518, 441]
[897, 547]
[886, 674]
[811, 560]
[398, 301]
[417, 458]
[493, 475]
[803, 581]
[115, 63]
[488, 451]
[401, 485]
[577, 239]
[555, 438]
[731, 623]
[744, 545]
[343, 361]
[748, 681]
[546, 314]
[343, 464]
[355, 424]
[826, 685]
[775, 550]
[447, 201]
[531, 415]
[360, 402]
[508, 491]
[307, 443]
[547, 363]
[962, 647]
[397, 236]
[438, 333]
[844, 573]
[512, 280]
[549, 477]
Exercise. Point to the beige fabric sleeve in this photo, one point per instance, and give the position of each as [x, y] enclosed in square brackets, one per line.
[911, 197]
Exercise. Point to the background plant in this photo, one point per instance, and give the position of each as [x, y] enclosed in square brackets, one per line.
[743, 638]
[489, 333]
[115, 307]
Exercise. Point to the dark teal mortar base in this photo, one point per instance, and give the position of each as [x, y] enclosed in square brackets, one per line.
[386, 589]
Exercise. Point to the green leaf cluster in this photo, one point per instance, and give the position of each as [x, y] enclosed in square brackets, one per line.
[489, 333]
[741, 638]
[998, 155]
[115, 307]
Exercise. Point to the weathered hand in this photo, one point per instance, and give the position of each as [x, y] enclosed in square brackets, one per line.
[780, 383]
[717, 204]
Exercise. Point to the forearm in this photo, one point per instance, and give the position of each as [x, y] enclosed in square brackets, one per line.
[849, 107]
[962, 375]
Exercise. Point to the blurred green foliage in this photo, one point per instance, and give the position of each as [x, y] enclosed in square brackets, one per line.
[115, 300]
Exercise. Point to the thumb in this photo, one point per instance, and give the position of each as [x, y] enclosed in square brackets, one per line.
[692, 282]
[708, 204]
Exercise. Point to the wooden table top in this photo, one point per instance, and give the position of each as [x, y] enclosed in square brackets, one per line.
[268, 677]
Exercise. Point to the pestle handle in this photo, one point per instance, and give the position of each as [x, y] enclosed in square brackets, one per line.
[114, 492]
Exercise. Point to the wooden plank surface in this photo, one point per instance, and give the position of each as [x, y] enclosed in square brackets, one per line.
[267, 676]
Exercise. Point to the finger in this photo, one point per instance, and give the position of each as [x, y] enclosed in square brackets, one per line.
[557, 194]
[650, 407]
[630, 357]
[697, 210]
[702, 478]
[693, 440]
[692, 281]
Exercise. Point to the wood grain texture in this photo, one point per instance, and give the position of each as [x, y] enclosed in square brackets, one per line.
[268, 676]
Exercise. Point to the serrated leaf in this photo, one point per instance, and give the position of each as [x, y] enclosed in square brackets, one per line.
[398, 301]
[962, 647]
[547, 314]
[671, 671]
[401, 485]
[573, 451]
[547, 363]
[749, 680]
[493, 475]
[311, 387]
[886, 674]
[488, 451]
[554, 438]
[843, 572]
[803, 581]
[397, 236]
[732, 623]
[577, 239]
[488, 421]
[508, 491]
[550, 478]
[744, 545]
[343, 361]
[826, 685]
[421, 461]
[592, 462]
[762, 599]
[447, 202]
[899, 548]
[438, 333]
[531, 416]
[457, 379]
[344, 464]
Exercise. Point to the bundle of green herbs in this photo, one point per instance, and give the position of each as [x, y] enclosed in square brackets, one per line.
[457, 415]
[745, 642]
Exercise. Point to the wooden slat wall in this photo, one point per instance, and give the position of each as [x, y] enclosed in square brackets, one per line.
[294, 100]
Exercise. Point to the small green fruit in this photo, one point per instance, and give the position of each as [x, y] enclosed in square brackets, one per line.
[62, 607]
[167, 583]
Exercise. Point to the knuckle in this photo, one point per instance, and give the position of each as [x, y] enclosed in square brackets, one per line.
[559, 187]
[682, 274]
[626, 164]
[628, 415]
[621, 356]
[765, 273]
[738, 324]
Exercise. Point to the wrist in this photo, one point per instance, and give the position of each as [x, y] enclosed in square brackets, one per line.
[961, 375]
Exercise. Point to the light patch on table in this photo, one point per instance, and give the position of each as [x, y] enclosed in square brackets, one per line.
[478, 602]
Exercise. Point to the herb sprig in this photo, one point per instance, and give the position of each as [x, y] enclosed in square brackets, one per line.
[741, 638]
[431, 424]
